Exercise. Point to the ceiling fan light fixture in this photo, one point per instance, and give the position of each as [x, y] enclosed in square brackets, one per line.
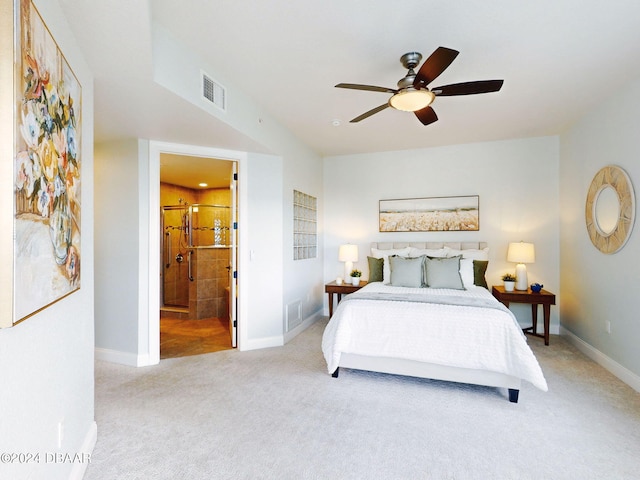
[411, 99]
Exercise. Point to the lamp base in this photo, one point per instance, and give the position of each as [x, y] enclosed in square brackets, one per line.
[348, 266]
[522, 282]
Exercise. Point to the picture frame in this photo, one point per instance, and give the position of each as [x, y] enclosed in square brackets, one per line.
[43, 183]
[6, 165]
[430, 214]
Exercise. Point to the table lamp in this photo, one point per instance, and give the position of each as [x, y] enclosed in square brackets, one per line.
[521, 253]
[348, 254]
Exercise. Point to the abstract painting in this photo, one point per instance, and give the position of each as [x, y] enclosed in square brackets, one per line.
[47, 163]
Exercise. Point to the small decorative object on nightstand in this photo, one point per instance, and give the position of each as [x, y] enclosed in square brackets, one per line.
[332, 287]
[536, 287]
[355, 277]
[544, 298]
[509, 282]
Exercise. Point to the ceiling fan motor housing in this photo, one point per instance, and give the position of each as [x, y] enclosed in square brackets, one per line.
[411, 60]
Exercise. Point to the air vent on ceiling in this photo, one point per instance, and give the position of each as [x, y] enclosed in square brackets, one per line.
[214, 92]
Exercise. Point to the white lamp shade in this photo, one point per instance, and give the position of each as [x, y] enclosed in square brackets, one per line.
[521, 252]
[348, 253]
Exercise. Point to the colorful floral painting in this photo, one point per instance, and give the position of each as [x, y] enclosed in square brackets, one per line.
[47, 169]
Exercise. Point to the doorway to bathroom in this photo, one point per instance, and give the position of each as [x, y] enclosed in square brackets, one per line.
[198, 264]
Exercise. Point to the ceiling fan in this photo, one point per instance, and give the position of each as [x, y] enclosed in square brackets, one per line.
[413, 95]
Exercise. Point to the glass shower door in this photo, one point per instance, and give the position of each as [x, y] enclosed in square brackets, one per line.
[175, 257]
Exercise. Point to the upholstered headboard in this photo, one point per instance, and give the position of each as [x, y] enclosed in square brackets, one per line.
[468, 273]
[430, 245]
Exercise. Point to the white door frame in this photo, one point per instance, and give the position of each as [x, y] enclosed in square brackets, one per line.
[150, 323]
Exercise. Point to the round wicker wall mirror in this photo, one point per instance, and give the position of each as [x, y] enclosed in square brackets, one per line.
[610, 209]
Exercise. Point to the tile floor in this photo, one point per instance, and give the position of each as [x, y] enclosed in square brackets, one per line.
[181, 338]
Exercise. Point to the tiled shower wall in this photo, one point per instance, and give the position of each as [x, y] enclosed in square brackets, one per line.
[208, 296]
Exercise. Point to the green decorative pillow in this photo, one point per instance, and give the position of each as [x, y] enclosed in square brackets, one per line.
[406, 272]
[375, 269]
[479, 270]
[444, 272]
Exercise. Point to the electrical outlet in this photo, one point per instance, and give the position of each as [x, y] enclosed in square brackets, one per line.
[608, 326]
[60, 432]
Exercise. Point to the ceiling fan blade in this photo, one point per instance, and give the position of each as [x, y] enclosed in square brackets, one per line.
[468, 88]
[369, 113]
[370, 88]
[427, 115]
[433, 66]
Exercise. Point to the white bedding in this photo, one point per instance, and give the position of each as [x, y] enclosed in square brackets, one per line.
[460, 336]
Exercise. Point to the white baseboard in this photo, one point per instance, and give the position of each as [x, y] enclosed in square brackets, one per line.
[266, 342]
[623, 373]
[89, 443]
[279, 341]
[123, 358]
[133, 360]
[310, 320]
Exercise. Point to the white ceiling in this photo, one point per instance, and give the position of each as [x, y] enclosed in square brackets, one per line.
[559, 59]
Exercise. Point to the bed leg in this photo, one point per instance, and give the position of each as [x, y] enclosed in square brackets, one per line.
[335, 374]
[513, 395]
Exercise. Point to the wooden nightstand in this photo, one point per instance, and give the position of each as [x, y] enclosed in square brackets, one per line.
[544, 298]
[345, 288]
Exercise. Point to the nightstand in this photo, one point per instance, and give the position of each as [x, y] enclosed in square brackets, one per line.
[544, 298]
[345, 288]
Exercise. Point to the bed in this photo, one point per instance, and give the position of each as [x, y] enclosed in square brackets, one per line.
[418, 318]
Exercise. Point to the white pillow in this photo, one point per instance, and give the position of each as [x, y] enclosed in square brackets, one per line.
[384, 254]
[473, 254]
[466, 272]
[429, 252]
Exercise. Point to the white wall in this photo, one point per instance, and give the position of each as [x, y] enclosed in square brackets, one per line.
[596, 287]
[517, 182]
[179, 70]
[268, 278]
[127, 306]
[46, 362]
[261, 279]
[302, 171]
[117, 223]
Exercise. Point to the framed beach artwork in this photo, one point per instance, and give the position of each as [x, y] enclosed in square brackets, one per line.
[434, 214]
[46, 199]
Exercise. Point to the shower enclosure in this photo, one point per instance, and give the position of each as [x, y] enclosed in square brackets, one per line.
[198, 261]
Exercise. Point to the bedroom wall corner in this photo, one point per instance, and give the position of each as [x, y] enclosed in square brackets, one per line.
[599, 288]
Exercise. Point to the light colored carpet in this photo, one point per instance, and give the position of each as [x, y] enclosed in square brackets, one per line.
[277, 413]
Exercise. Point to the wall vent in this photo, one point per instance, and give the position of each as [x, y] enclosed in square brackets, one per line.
[213, 92]
[293, 315]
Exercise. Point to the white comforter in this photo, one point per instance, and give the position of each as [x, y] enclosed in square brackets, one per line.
[461, 336]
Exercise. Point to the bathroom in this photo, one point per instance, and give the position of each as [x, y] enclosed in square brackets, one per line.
[197, 198]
